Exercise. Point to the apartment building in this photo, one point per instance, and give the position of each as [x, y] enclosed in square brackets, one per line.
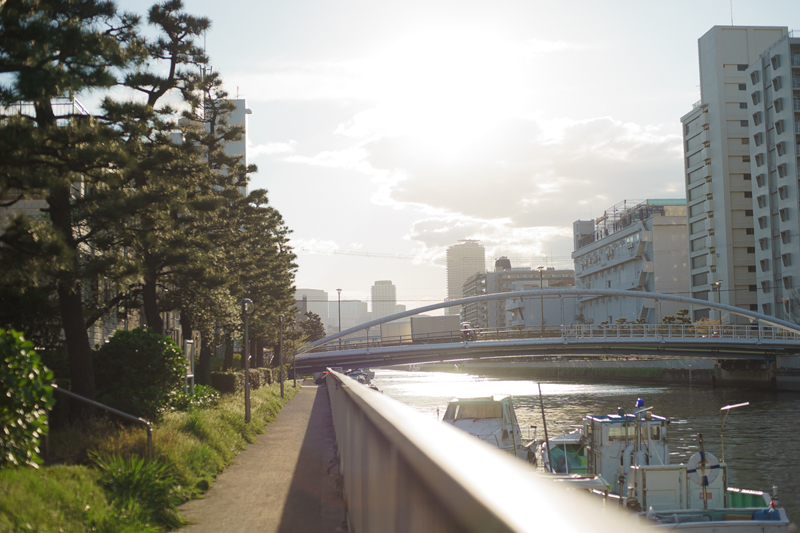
[515, 311]
[634, 246]
[718, 162]
[464, 259]
[773, 96]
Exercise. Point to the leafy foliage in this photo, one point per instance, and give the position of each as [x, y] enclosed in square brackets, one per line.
[205, 396]
[312, 327]
[133, 482]
[138, 371]
[26, 396]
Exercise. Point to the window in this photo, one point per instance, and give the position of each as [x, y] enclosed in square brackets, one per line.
[761, 180]
[751, 249]
[784, 214]
[699, 261]
[783, 192]
[752, 288]
[766, 308]
[748, 212]
[782, 170]
[700, 244]
[787, 282]
[743, 123]
[763, 222]
[742, 87]
[699, 279]
[785, 237]
[778, 105]
[763, 243]
[776, 83]
[762, 201]
[751, 268]
[754, 307]
[745, 141]
[779, 126]
[748, 194]
[745, 159]
[749, 231]
[747, 177]
[697, 209]
[781, 146]
[755, 97]
[756, 119]
[776, 61]
[764, 268]
[755, 76]
[742, 105]
[787, 260]
[758, 138]
[759, 160]
[741, 68]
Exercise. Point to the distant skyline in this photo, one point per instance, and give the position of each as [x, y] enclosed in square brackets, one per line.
[387, 131]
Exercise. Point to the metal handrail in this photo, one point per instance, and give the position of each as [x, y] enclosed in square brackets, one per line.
[138, 420]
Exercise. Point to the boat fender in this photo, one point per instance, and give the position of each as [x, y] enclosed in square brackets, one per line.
[694, 468]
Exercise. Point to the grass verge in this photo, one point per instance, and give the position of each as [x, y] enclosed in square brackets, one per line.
[191, 449]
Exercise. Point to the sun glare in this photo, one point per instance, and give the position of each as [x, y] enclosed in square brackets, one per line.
[448, 88]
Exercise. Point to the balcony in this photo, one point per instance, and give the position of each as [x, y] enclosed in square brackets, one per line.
[795, 83]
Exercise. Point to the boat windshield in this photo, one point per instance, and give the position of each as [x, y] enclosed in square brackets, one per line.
[618, 432]
[459, 411]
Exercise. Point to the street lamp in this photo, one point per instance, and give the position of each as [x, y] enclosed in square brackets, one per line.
[722, 423]
[247, 309]
[715, 287]
[541, 297]
[280, 352]
[339, 295]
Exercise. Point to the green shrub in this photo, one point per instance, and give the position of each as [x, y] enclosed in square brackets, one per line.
[134, 483]
[26, 396]
[137, 371]
[204, 397]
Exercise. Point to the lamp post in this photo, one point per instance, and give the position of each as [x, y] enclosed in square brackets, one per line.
[715, 288]
[339, 295]
[541, 296]
[247, 308]
[280, 353]
[727, 408]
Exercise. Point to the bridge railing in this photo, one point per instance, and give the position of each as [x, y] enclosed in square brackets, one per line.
[407, 472]
[576, 331]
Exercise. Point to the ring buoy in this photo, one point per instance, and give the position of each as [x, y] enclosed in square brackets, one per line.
[694, 468]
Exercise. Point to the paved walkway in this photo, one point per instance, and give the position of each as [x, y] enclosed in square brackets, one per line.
[280, 482]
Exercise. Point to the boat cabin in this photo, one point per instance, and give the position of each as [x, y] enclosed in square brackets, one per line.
[491, 419]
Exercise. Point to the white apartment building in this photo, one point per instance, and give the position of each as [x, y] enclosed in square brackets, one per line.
[353, 313]
[384, 299]
[515, 311]
[773, 96]
[718, 161]
[312, 301]
[464, 259]
[634, 246]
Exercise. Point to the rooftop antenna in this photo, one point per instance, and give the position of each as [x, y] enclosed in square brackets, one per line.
[731, 12]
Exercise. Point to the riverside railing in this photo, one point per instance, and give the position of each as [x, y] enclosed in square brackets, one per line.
[407, 472]
[148, 425]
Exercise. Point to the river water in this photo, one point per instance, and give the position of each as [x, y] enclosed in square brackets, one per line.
[761, 440]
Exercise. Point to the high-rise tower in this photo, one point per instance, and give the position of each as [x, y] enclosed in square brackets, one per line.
[384, 299]
[464, 259]
[718, 176]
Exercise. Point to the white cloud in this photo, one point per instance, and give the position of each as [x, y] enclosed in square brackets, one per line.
[274, 148]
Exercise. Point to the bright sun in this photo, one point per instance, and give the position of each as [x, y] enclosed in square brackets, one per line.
[448, 88]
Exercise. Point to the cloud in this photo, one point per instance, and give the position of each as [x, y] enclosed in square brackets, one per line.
[274, 148]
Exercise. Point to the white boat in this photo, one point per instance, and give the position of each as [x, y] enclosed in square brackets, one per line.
[491, 419]
[631, 452]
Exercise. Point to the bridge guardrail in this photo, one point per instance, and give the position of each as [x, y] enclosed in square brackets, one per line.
[584, 331]
[406, 472]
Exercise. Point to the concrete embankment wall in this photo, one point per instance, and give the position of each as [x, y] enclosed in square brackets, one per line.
[782, 375]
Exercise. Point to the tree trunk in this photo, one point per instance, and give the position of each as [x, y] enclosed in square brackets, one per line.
[227, 362]
[203, 371]
[150, 298]
[259, 351]
[70, 301]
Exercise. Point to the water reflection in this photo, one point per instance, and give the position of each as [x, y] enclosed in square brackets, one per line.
[759, 438]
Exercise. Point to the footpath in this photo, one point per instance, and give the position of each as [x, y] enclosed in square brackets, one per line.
[283, 482]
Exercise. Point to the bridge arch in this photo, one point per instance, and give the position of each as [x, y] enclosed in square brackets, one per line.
[754, 317]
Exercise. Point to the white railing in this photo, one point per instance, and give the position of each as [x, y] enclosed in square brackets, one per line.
[403, 472]
[579, 331]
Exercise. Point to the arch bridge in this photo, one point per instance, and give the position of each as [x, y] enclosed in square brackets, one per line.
[762, 339]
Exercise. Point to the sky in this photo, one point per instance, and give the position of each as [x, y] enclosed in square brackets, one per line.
[386, 131]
